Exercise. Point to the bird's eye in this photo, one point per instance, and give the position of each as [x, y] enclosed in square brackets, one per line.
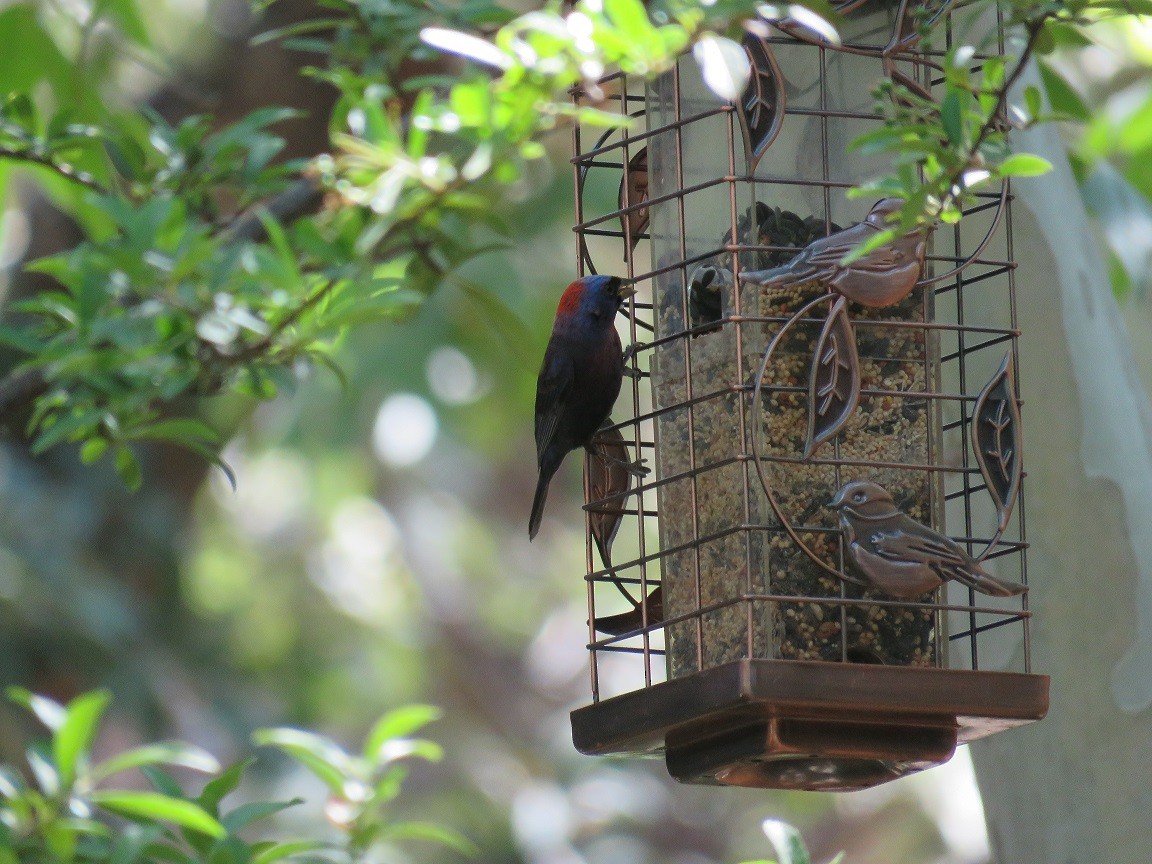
[859, 497]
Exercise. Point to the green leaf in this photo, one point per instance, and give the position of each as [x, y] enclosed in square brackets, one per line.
[131, 843]
[466, 45]
[952, 116]
[128, 467]
[162, 781]
[76, 733]
[1033, 101]
[67, 428]
[217, 788]
[1024, 165]
[429, 831]
[254, 811]
[1045, 42]
[1061, 95]
[299, 28]
[178, 430]
[49, 712]
[20, 339]
[397, 724]
[127, 16]
[280, 851]
[39, 59]
[163, 753]
[93, 449]
[318, 754]
[630, 18]
[160, 808]
[786, 841]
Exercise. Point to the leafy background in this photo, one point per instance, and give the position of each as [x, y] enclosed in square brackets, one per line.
[374, 552]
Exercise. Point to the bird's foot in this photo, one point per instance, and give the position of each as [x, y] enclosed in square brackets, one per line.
[636, 468]
[630, 352]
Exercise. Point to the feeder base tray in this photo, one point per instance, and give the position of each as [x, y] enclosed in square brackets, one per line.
[794, 724]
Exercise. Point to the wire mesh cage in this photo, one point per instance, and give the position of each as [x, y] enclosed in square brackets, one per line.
[822, 582]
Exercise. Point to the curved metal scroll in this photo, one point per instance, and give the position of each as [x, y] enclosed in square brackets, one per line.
[758, 442]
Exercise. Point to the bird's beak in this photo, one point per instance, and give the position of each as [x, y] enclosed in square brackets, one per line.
[836, 503]
[626, 290]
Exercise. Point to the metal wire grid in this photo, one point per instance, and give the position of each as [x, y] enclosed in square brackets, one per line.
[974, 323]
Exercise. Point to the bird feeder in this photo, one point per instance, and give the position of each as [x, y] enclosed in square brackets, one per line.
[822, 582]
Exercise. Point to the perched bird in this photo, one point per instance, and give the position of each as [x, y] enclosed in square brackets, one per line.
[900, 556]
[580, 377]
[705, 295]
[884, 276]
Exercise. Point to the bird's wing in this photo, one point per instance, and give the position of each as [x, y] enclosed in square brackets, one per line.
[938, 552]
[555, 379]
[882, 259]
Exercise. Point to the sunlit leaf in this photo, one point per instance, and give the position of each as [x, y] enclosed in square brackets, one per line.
[1024, 165]
[786, 841]
[49, 712]
[429, 831]
[466, 45]
[723, 65]
[161, 808]
[217, 788]
[281, 851]
[318, 754]
[397, 724]
[164, 753]
[76, 733]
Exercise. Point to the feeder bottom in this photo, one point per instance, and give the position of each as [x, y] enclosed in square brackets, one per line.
[794, 724]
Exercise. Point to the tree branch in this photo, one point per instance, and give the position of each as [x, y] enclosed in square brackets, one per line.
[66, 171]
[300, 199]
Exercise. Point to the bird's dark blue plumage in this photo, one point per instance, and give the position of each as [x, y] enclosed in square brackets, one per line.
[580, 377]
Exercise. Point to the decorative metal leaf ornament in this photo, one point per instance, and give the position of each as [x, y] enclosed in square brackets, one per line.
[761, 108]
[608, 475]
[634, 190]
[996, 437]
[834, 379]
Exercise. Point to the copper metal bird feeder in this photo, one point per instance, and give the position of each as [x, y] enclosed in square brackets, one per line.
[738, 625]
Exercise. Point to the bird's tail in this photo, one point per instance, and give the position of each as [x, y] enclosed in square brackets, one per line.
[986, 583]
[538, 502]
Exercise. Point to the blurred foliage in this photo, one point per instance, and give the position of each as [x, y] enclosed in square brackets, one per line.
[69, 814]
[1102, 77]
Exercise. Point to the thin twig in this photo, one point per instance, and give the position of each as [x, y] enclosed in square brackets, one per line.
[1034, 28]
[67, 171]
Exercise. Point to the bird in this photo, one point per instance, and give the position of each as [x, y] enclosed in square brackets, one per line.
[884, 276]
[705, 296]
[580, 377]
[898, 555]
